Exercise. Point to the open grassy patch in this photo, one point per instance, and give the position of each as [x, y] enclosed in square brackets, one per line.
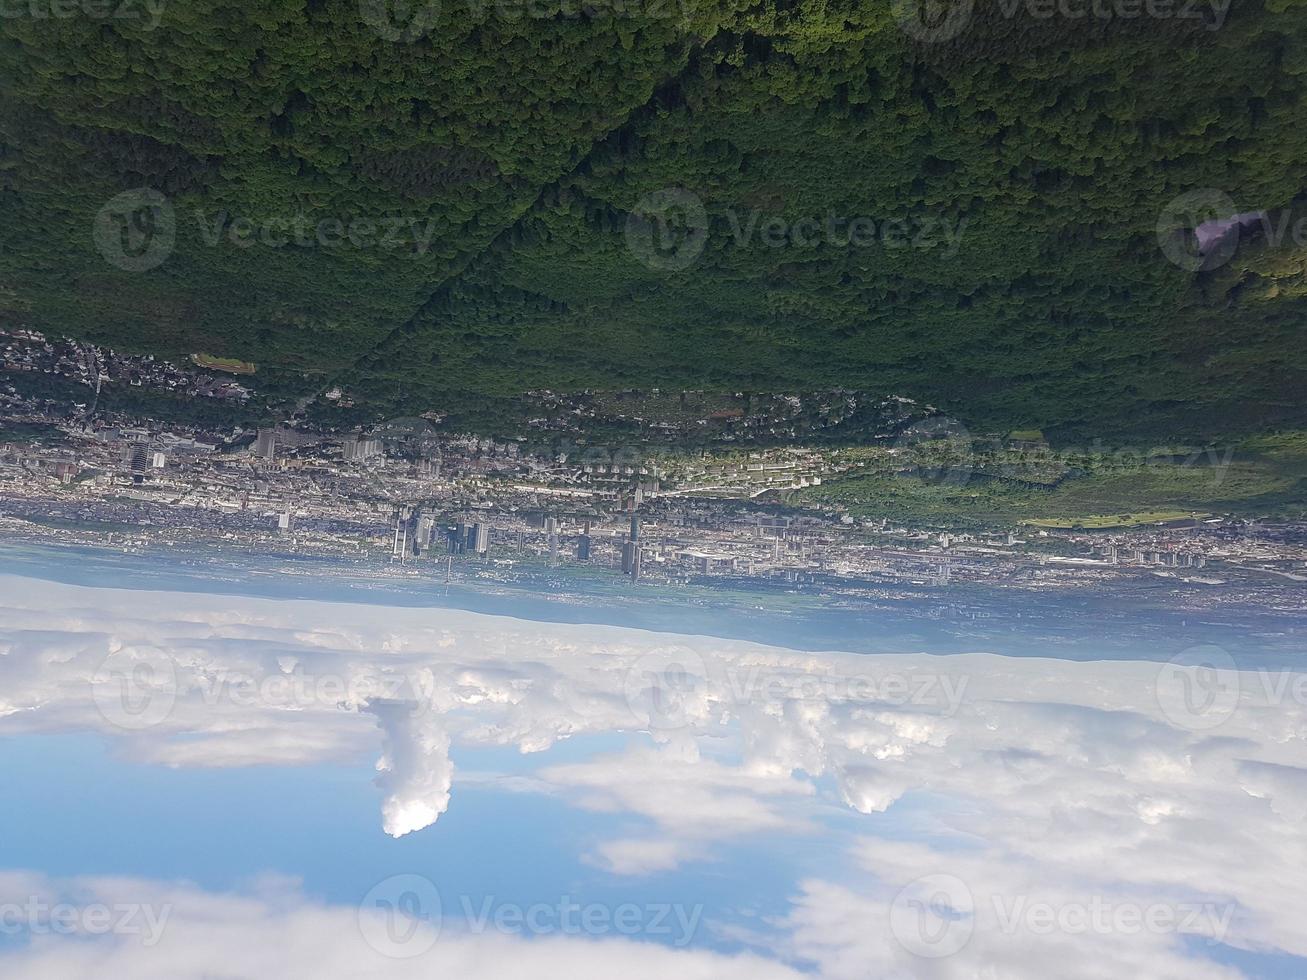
[229, 364]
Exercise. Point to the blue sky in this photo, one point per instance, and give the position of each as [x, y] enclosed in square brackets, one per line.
[88, 812]
[803, 803]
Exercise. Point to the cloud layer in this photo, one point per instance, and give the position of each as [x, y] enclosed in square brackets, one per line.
[275, 931]
[1017, 783]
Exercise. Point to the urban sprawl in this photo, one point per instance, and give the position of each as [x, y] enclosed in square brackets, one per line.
[421, 501]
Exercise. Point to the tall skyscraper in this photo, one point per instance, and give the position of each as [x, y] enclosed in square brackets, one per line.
[266, 445]
[425, 529]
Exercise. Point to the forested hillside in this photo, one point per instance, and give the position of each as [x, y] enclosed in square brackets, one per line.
[461, 203]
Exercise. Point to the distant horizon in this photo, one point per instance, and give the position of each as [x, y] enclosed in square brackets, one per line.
[930, 618]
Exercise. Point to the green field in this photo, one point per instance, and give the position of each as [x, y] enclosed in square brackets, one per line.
[1100, 522]
[1262, 477]
[229, 364]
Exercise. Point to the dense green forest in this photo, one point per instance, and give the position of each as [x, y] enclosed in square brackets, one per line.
[441, 210]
